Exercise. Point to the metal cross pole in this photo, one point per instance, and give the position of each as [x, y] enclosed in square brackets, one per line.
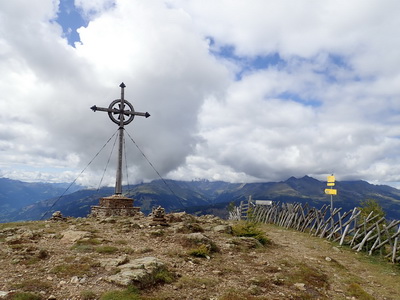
[126, 114]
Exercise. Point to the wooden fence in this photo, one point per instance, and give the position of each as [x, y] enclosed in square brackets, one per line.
[371, 234]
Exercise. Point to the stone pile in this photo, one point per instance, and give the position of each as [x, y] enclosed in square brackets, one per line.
[57, 216]
[159, 218]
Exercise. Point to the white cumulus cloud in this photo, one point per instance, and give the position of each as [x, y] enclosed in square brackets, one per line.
[237, 90]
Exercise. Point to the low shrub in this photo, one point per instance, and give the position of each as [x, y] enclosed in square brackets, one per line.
[250, 229]
[86, 245]
[157, 233]
[201, 251]
[43, 254]
[357, 291]
[73, 269]
[161, 276]
[33, 285]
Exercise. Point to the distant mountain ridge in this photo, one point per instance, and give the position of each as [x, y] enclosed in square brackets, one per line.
[204, 196]
[15, 194]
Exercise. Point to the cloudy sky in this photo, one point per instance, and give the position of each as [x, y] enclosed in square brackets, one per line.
[238, 90]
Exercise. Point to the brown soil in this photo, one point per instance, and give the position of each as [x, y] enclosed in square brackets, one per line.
[44, 258]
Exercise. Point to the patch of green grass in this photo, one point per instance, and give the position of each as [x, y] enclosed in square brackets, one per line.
[128, 250]
[24, 296]
[41, 255]
[73, 269]
[261, 281]
[308, 275]
[381, 263]
[145, 250]
[31, 261]
[128, 294]
[157, 233]
[161, 276]
[86, 245]
[17, 246]
[106, 249]
[29, 224]
[189, 227]
[250, 229]
[164, 276]
[90, 241]
[198, 244]
[33, 285]
[355, 290]
[195, 282]
[28, 286]
[201, 251]
[83, 248]
[121, 242]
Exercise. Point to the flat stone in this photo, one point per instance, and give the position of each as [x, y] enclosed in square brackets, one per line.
[110, 263]
[248, 242]
[137, 271]
[300, 286]
[197, 236]
[74, 280]
[74, 235]
[223, 229]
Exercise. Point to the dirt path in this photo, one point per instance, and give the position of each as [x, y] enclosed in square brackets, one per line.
[347, 270]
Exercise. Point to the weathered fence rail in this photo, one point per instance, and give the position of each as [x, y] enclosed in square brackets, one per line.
[371, 234]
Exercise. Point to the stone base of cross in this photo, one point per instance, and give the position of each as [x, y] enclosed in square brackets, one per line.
[115, 205]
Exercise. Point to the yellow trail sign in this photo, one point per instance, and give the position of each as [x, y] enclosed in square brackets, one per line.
[331, 191]
[331, 178]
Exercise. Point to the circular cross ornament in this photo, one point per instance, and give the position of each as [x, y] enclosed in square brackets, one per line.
[117, 110]
[120, 111]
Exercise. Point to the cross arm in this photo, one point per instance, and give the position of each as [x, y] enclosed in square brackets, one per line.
[146, 114]
[95, 108]
[117, 111]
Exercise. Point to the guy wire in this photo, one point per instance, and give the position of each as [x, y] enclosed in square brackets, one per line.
[126, 167]
[108, 161]
[159, 175]
[84, 169]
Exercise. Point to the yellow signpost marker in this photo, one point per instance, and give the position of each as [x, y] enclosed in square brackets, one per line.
[331, 182]
[331, 191]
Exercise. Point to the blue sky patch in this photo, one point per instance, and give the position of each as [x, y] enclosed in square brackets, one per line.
[247, 63]
[296, 98]
[70, 19]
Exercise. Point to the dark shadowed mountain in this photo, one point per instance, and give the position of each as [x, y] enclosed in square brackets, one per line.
[203, 196]
[15, 194]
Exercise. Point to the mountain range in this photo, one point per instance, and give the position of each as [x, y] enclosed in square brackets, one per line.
[25, 201]
[15, 194]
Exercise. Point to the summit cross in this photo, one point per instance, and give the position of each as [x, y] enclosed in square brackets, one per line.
[121, 112]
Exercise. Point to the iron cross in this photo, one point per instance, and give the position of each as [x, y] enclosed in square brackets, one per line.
[125, 114]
